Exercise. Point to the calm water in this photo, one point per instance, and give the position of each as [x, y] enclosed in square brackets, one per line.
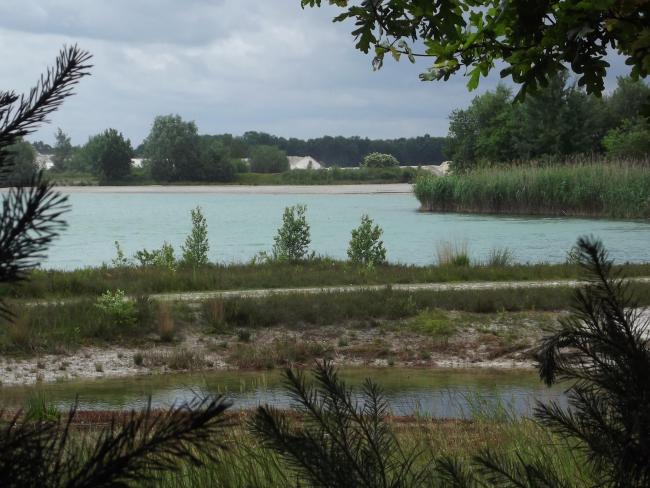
[241, 225]
[440, 393]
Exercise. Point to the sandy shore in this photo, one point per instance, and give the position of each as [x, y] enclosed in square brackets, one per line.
[396, 188]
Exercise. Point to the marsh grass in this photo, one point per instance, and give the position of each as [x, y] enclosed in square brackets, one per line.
[454, 254]
[137, 281]
[178, 359]
[500, 258]
[247, 463]
[285, 352]
[166, 324]
[588, 189]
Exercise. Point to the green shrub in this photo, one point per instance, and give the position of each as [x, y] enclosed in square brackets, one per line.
[196, 247]
[631, 140]
[117, 307]
[379, 160]
[293, 237]
[161, 258]
[366, 246]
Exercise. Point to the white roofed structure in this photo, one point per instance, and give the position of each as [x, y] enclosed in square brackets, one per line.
[303, 162]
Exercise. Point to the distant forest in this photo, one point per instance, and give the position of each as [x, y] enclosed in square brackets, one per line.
[338, 151]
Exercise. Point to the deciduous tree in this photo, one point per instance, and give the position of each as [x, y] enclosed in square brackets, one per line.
[532, 40]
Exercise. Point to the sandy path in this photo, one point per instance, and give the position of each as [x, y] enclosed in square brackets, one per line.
[197, 296]
[396, 188]
[486, 285]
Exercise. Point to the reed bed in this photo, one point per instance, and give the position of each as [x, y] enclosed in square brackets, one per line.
[586, 190]
[246, 462]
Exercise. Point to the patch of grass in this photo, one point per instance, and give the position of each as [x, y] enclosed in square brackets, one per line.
[244, 335]
[278, 353]
[454, 254]
[178, 359]
[597, 189]
[165, 323]
[247, 463]
[53, 328]
[137, 281]
[99, 367]
[56, 327]
[214, 313]
[433, 323]
[500, 258]
[38, 409]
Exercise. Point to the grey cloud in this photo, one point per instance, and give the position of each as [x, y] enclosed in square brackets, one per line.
[231, 65]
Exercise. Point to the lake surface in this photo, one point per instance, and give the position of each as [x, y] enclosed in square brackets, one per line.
[438, 393]
[243, 220]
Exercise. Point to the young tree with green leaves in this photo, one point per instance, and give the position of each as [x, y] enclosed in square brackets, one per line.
[196, 247]
[62, 150]
[533, 41]
[366, 246]
[293, 237]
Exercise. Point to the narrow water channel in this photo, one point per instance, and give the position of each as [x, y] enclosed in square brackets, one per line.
[436, 393]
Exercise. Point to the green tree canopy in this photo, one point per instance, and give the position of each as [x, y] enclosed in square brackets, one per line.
[630, 140]
[109, 155]
[172, 149]
[558, 120]
[21, 157]
[216, 161]
[379, 160]
[532, 40]
[268, 159]
[62, 150]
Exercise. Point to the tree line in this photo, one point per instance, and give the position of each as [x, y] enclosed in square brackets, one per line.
[175, 151]
[559, 120]
[344, 151]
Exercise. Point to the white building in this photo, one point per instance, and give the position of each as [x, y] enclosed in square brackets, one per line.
[303, 162]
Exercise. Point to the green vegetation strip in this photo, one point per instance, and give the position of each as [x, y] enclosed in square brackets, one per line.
[62, 327]
[46, 284]
[590, 190]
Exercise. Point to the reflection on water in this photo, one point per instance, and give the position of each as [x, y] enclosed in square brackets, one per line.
[438, 393]
[241, 225]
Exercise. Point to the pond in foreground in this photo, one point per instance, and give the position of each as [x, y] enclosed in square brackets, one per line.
[243, 220]
[437, 393]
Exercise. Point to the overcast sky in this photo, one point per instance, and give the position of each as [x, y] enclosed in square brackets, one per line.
[229, 65]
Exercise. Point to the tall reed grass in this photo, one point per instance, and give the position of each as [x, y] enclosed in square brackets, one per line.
[589, 190]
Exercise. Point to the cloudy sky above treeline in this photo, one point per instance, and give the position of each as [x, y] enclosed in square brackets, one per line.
[229, 65]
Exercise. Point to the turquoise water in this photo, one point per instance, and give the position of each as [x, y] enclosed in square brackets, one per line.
[439, 393]
[241, 225]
